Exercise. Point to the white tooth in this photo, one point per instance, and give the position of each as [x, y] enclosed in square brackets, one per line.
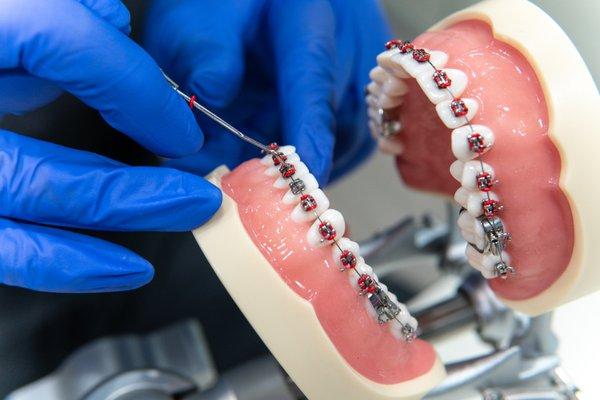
[273, 170]
[460, 144]
[415, 68]
[437, 95]
[286, 150]
[374, 114]
[374, 128]
[387, 102]
[449, 119]
[385, 60]
[365, 269]
[372, 101]
[301, 171]
[378, 74]
[470, 172]
[392, 146]
[393, 87]
[310, 184]
[374, 88]
[461, 196]
[396, 327]
[485, 262]
[345, 244]
[471, 229]
[456, 169]
[474, 206]
[298, 213]
[336, 220]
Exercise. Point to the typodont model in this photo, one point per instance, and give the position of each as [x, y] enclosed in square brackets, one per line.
[497, 86]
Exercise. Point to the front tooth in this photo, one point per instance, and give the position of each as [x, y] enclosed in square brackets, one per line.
[390, 146]
[460, 143]
[393, 86]
[372, 101]
[286, 150]
[345, 244]
[471, 170]
[374, 88]
[447, 115]
[486, 262]
[335, 219]
[471, 230]
[456, 169]
[274, 169]
[310, 184]
[415, 68]
[437, 95]
[378, 74]
[385, 60]
[301, 171]
[298, 213]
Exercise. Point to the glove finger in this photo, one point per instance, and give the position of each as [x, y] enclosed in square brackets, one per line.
[88, 57]
[55, 185]
[22, 92]
[305, 74]
[112, 11]
[200, 44]
[47, 259]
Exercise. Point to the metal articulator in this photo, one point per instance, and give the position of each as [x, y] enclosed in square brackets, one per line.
[508, 356]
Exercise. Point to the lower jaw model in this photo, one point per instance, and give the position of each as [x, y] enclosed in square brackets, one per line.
[477, 88]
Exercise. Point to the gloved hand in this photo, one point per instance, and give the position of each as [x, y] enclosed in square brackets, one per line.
[47, 46]
[291, 71]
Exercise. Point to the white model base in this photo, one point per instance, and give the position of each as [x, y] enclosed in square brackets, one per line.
[286, 322]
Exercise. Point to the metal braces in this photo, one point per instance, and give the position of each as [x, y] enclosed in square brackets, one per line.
[386, 309]
[492, 225]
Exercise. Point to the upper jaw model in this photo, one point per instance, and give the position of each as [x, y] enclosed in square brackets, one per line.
[498, 99]
[482, 87]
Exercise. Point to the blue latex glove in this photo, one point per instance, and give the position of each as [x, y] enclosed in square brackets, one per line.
[47, 46]
[291, 71]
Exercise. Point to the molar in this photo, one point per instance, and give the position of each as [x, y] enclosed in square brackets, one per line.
[385, 61]
[471, 230]
[310, 184]
[298, 213]
[372, 101]
[405, 319]
[460, 143]
[387, 101]
[301, 171]
[437, 95]
[447, 116]
[486, 262]
[332, 218]
[415, 68]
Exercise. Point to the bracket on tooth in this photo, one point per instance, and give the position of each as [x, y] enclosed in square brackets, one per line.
[477, 143]
[458, 107]
[502, 270]
[385, 308]
[389, 126]
[308, 202]
[287, 170]
[348, 260]
[327, 231]
[497, 238]
[279, 158]
[421, 55]
[441, 79]
[485, 181]
[366, 284]
[491, 207]
[393, 44]
[297, 186]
